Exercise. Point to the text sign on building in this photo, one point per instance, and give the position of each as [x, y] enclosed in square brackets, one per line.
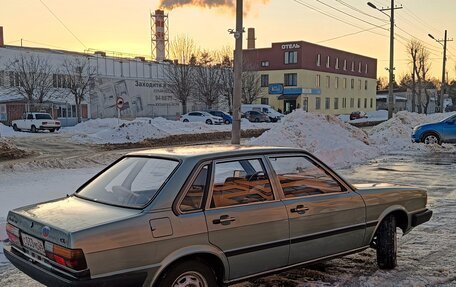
[290, 46]
[275, 89]
[311, 91]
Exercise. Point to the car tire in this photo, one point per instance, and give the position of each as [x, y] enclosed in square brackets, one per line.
[185, 121]
[188, 273]
[257, 120]
[209, 122]
[386, 243]
[16, 129]
[52, 130]
[227, 122]
[33, 129]
[431, 138]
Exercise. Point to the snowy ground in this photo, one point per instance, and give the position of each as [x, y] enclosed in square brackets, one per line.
[427, 256]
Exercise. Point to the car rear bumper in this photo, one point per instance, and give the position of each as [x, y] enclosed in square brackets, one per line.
[421, 217]
[50, 278]
[48, 127]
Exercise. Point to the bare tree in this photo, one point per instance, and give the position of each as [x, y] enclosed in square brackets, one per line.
[225, 58]
[251, 87]
[179, 74]
[208, 80]
[31, 77]
[79, 77]
[412, 49]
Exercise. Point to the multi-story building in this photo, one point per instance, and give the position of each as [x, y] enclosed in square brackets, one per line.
[302, 75]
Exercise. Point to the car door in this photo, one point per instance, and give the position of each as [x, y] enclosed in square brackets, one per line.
[326, 217]
[245, 219]
[449, 130]
[194, 117]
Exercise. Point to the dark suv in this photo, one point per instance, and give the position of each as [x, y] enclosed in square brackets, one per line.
[257, 117]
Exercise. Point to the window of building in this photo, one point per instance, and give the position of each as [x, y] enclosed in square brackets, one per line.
[353, 66]
[317, 81]
[359, 67]
[336, 83]
[3, 114]
[366, 70]
[345, 83]
[240, 182]
[328, 62]
[265, 101]
[352, 102]
[328, 82]
[264, 80]
[359, 84]
[359, 103]
[352, 84]
[318, 60]
[371, 103]
[345, 65]
[336, 103]
[2, 81]
[365, 84]
[365, 103]
[317, 103]
[300, 176]
[337, 63]
[327, 103]
[264, 63]
[290, 79]
[291, 57]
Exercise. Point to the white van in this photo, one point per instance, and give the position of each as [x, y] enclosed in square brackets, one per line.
[273, 114]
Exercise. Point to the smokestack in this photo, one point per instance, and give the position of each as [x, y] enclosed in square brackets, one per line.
[251, 38]
[160, 35]
[2, 41]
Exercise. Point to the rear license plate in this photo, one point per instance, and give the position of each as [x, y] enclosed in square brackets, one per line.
[33, 243]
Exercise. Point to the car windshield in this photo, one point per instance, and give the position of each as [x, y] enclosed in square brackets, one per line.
[43, 117]
[132, 182]
[450, 118]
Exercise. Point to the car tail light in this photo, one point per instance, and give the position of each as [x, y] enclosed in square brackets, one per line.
[57, 123]
[72, 258]
[13, 234]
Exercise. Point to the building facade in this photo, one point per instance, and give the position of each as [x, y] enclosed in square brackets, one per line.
[302, 75]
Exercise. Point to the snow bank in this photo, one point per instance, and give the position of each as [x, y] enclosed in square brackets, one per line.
[394, 134]
[8, 150]
[6, 131]
[336, 143]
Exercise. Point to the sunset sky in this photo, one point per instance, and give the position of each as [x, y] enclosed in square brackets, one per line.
[124, 26]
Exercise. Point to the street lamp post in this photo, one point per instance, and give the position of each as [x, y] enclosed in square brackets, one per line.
[236, 125]
[391, 60]
[442, 88]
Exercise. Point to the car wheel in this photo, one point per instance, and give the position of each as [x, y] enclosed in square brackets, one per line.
[185, 121]
[33, 129]
[257, 120]
[189, 273]
[15, 128]
[431, 138]
[209, 122]
[52, 130]
[227, 122]
[386, 243]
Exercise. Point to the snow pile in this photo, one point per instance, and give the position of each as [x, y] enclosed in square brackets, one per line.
[331, 140]
[395, 134]
[6, 131]
[93, 126]
[8, 150]
[376, 116]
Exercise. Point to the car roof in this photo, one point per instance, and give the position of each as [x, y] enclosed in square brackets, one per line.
[212, 151]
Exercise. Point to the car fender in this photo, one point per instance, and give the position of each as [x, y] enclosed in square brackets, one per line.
[188, 252]
[432, 129]
[385, 213]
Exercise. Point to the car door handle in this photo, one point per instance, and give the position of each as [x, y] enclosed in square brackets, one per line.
[224, 220]
[300, 209]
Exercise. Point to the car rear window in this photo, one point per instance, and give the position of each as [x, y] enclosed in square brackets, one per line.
[132, 182]
[43, 117]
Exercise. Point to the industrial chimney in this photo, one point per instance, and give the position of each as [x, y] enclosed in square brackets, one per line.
[2, 41]
[251, 38]
[159, 23]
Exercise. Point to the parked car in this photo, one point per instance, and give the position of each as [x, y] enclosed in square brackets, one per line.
[204, 117]
[199, 216]
[35, 122]
[274, 115]
[227, 118]
[436, 133]
[357, 115]
[257, 117]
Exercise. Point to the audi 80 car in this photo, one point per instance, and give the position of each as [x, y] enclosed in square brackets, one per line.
[207, 216]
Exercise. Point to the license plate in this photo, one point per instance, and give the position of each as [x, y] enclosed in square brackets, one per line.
[33, 243]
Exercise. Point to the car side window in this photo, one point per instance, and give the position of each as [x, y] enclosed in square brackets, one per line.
[192, 114]
[30, 117]
[300, 176]
[194, 197]
[240, 182]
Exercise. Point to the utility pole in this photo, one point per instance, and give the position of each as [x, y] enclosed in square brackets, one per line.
[236, 125]
[442, 88]
[391, 60]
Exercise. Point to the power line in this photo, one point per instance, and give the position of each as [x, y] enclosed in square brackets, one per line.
[361, 11]
[349, 34]
[61, 22]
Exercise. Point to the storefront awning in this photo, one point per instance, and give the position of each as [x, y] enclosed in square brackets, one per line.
[288, 97]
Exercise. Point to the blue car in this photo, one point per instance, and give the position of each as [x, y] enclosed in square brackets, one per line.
[436, 133]
[227, 119]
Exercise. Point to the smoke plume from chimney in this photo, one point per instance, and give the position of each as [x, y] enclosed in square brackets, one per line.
[230, 4]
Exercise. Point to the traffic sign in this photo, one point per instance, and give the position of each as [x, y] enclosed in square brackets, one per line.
[119, 102]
